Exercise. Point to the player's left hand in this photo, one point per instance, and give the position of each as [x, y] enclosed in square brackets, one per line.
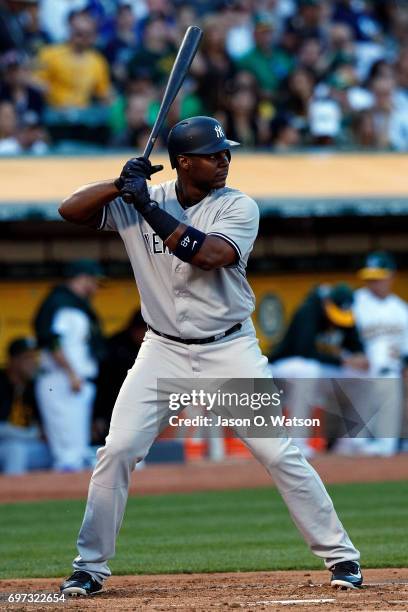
[137, 167]
[135, 192]
[75, 382]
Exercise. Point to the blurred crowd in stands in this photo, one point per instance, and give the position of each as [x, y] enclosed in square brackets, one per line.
[279, 74]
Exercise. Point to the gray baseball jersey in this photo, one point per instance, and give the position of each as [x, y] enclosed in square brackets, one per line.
[178, 298]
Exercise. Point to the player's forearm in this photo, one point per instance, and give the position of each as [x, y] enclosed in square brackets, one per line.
[85, 205]
[187, 242]
[61, 360]
[213, 253]
[63, 363]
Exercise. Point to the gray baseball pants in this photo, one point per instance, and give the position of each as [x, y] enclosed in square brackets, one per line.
[136, 422]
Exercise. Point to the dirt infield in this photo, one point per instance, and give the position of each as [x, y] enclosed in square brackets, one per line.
[306, 590]
[203, 476]
[384, 590]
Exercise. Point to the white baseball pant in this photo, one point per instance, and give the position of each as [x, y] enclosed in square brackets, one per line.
[136, 422]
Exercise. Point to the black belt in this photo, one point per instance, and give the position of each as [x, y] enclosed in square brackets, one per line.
[229, 331]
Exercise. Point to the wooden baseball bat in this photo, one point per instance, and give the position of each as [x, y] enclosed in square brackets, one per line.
[181, 66]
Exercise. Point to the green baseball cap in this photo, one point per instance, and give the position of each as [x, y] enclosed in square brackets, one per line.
[337, 305]
[377, 266]
[83, 266]
[21, 345]
[263, 21]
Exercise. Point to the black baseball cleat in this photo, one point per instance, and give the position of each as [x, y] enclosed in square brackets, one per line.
[346, 575]
[80, 583]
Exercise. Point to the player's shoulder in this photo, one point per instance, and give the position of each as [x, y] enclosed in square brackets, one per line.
[230, 197]
[231, 194]
[361, 294]
[398, 302]
[163, 191]
[364, 296]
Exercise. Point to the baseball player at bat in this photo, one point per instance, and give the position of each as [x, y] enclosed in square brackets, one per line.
[188, 241]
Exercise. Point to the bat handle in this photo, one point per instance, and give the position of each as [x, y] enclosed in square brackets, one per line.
[127, 197]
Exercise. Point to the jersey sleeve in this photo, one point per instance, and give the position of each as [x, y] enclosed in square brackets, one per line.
[238, 225]
[117, 215]
[64, 321]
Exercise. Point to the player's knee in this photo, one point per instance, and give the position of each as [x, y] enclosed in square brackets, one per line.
[268, 451]
[118, 458]
[130, 448]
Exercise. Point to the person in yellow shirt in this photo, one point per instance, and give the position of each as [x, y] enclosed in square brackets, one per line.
[74, 74]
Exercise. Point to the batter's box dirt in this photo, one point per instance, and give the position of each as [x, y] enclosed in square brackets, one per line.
[385, 589]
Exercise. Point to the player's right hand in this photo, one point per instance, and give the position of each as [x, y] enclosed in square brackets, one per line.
[75, 382]
[137, 167]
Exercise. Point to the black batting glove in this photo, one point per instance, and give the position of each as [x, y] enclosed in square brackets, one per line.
[135, 192]
[136, 167]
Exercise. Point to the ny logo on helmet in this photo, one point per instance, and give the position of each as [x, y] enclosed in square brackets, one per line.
[218, 131]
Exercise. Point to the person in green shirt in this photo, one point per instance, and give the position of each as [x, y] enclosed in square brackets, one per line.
[260, 61]
[156, 53]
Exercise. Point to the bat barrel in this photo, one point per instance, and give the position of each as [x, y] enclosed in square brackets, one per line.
[182, 63]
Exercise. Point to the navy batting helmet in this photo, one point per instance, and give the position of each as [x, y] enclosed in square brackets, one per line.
[199, 136]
